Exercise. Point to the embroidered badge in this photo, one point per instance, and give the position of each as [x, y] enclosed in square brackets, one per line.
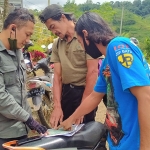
[126, 60]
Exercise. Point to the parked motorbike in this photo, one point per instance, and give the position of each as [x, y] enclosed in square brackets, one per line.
[28, 58]
[40, 90]
[40, 87]
[90, 137]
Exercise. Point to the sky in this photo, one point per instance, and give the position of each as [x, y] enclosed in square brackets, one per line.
[41, 4]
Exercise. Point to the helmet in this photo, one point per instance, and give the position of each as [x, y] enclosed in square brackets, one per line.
[134, 40]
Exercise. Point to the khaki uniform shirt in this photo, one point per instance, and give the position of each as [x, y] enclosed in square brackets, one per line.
[14, 109]
[73, 61]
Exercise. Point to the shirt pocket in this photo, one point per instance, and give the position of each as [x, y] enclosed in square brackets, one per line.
[79, 58]
[10, 75]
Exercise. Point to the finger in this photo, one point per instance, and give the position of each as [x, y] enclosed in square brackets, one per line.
[60, 126]
[61, 118]
[56, 124]
[52, 120]
[67, 128]
[45, 134]
[41, 134]
[77, 121]
[82, 119]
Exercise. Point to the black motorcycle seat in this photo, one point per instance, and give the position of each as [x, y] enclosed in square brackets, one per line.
[88, 137]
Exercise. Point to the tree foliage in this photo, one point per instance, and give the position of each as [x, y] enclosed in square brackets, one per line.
[139, 7]
[135, 21]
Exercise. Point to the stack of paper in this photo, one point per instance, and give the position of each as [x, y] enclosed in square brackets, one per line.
[62, 132]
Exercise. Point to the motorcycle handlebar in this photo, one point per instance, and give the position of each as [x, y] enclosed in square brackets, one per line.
[10, 146]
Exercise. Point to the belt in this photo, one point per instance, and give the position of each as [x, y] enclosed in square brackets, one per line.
[73, 86]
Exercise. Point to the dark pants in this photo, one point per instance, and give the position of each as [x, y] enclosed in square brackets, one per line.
[9, 139]
[71, 99]
[105, 100]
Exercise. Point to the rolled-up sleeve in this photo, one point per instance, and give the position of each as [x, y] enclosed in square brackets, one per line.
[55, 56]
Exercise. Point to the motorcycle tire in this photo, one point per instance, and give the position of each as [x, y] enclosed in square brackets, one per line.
[45, 110]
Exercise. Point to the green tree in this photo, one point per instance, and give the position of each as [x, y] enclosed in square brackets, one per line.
[71, 6]
[147, 49]
[106, 11]
[5, 12]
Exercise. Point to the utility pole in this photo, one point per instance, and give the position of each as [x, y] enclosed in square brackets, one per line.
[5, 12]
[22, 3]
[48, 2]
[121, 21]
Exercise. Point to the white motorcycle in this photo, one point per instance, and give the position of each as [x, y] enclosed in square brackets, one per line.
[40, 90]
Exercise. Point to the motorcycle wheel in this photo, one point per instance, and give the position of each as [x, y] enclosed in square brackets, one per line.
[45, 110]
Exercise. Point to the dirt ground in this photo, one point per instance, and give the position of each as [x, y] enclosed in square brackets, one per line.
[100, 115]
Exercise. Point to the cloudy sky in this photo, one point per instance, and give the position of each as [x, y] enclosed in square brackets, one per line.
[41, 4]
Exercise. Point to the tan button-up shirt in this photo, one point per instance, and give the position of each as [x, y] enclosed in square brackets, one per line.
[73, 61]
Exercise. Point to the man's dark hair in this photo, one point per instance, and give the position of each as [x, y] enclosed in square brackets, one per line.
[98, 30]
[54, 11]
[19, 17]
[57, 17]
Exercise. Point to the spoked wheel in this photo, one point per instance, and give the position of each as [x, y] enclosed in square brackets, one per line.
[45, 110]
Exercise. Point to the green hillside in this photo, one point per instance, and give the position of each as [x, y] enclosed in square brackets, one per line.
[133, 25]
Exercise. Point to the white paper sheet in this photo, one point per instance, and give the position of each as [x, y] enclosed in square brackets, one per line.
[75, 129]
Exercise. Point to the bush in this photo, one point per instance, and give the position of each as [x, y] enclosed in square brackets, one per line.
[37, 55]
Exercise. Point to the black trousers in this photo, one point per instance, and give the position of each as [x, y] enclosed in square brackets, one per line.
[71, 99]
[9, 139]
[105, 100]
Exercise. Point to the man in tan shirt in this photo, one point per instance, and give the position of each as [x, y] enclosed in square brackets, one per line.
[75, 72]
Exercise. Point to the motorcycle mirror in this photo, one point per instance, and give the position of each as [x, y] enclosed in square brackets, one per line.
[50, 46]
[26, 61]
[43, 46]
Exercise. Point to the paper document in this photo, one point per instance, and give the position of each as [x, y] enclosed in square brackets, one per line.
[62, 132]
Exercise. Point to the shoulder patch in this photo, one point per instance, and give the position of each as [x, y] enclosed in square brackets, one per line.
[126, 59]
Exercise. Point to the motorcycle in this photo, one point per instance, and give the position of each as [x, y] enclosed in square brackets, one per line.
[91, 136]
[40, 90]
[28, 58]
[40, 87]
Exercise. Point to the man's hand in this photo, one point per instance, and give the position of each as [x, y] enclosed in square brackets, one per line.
[67, 124]
[56, 116]
[80, 120]
[34, 125]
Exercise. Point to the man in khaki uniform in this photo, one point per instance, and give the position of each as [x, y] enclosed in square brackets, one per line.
[15, 113]
[75, 72]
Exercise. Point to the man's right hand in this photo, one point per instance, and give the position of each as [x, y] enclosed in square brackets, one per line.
[56, 117]
[34, 125]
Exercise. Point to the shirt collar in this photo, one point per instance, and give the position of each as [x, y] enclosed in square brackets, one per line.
[74, 36]
[3, 48]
